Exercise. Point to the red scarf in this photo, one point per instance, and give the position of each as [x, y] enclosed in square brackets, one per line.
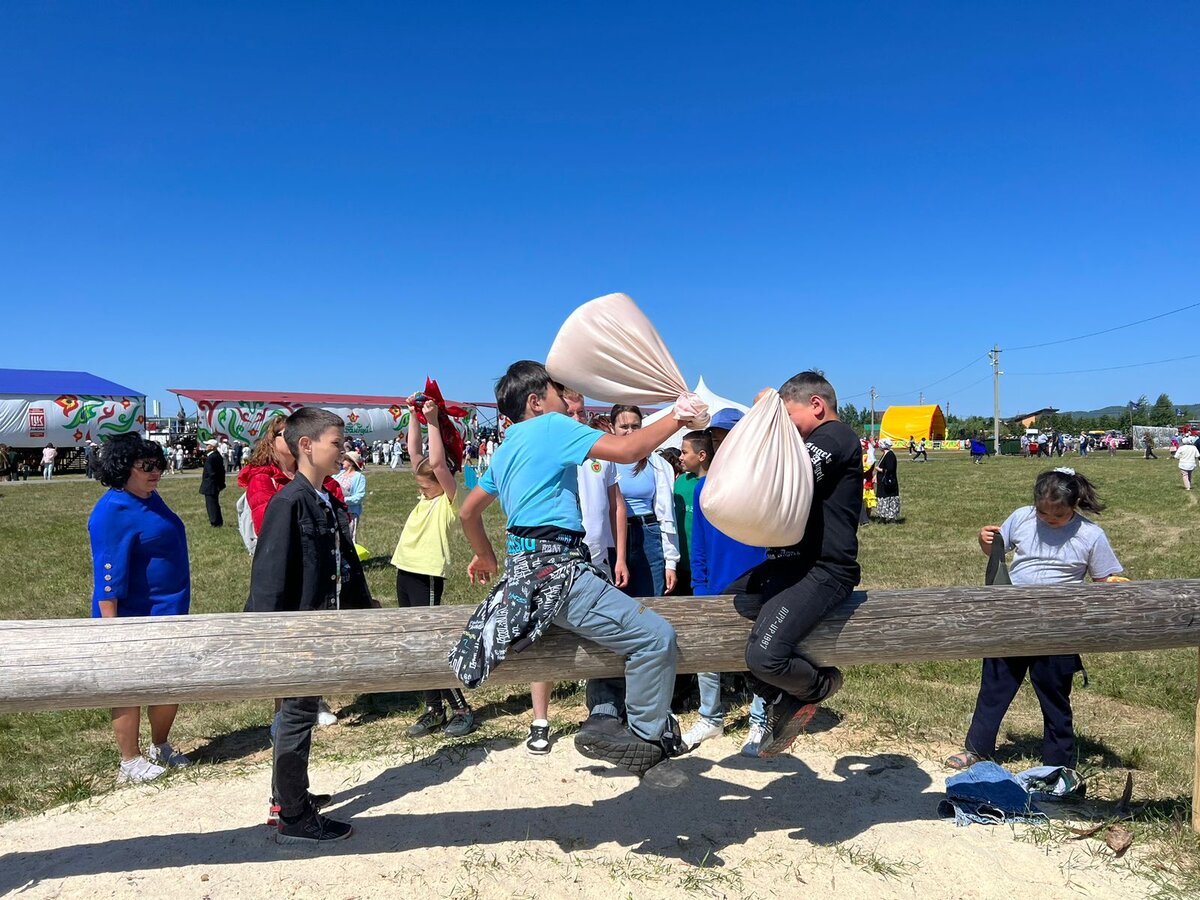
[451, 439]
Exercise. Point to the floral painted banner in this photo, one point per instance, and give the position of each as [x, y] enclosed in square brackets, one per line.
[68, 420]
[245, 420]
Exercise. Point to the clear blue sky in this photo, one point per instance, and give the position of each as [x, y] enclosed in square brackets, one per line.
[344, 198]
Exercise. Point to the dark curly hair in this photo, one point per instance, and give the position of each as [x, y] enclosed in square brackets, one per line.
[119, 454]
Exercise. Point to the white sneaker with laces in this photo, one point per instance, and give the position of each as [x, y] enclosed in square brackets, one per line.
[137, 771]
[754, 740]
[166, 755]
[325, 715]
[702, 731]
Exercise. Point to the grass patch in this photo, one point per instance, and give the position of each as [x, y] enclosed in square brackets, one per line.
[1138, 713]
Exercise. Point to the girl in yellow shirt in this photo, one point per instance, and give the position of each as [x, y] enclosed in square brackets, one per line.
[423, 556]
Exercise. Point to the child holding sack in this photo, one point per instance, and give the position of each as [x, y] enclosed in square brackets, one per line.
[547, 574]
[1052, 544]
[422, 558]
[798, 585]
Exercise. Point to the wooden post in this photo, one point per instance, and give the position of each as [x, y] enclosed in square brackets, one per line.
[72, 663]
[1196, 751]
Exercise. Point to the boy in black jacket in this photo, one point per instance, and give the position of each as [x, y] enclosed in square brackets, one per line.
[305, 560]
[800, 584]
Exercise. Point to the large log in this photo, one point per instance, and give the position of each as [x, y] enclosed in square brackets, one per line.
[70, 663]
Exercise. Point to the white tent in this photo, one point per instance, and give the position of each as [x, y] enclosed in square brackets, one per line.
[714, 402]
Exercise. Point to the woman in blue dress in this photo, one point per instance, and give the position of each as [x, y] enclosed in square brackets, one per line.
[140, 561]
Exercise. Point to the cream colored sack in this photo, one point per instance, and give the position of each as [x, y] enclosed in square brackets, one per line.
[760, 487]
[608, 350]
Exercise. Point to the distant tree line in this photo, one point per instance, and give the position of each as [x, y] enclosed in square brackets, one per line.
[1161, 412]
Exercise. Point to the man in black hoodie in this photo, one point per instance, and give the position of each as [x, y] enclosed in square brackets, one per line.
[305, 560]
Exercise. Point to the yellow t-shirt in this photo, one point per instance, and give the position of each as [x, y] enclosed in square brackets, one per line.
[424, 547]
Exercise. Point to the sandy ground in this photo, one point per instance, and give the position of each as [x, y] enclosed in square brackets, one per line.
[495, 822]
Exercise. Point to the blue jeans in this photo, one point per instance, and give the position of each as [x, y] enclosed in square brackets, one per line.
[644, 557]
[711, 707]
[598, 612]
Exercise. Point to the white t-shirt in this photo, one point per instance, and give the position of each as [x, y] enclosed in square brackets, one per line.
[1187, 456]
[1066, 555]
[596, 476]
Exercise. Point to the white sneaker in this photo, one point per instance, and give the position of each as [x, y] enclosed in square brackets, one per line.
[325, 716]
[137, 771]
[166, 755]
[701, 732]
[754, 740]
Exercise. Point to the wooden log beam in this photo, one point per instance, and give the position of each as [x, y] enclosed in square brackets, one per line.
[73, 663]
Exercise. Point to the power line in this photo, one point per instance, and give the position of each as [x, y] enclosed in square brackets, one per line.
[1104, 331]
[967, 387]
[932, 383]
[1153, 362]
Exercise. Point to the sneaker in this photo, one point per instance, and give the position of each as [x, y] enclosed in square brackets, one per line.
[325, 715]
[317, 801]
[165, 755]
[538, 742]
[701, 732]
[137, 771]
[462, 723]
[605, 738]
[753, 740]
[430, 721]
[310, 827]
[787, 716]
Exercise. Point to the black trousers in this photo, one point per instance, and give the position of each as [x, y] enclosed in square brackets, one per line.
[293, 742]
[1051, 677]
[426, 590]
[793, 599]
[213, 502]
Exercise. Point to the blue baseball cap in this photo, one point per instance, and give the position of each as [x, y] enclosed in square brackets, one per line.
[726, 418]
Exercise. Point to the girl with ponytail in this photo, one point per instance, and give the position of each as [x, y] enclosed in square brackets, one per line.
[1051, 544]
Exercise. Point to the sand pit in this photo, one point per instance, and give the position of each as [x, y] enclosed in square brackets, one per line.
[494, 822]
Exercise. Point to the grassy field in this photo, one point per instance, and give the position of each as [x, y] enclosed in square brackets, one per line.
[1137, 715]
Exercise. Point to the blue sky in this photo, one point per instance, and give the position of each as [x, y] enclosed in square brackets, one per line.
[341, 198]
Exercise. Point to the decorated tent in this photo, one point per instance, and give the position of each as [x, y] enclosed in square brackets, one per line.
[714, 402]
[242, 415]
[67, 409]
[901, 422]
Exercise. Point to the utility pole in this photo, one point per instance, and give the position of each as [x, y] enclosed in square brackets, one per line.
[871, 436]
[921, 402]
[994, 356]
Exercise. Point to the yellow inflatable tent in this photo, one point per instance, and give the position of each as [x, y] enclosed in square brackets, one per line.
[899, 422]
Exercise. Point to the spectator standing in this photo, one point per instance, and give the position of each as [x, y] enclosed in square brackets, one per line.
[49, 455]
[140, 566]
[212, 482]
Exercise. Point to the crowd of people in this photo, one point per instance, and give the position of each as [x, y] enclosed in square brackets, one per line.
[596, 517]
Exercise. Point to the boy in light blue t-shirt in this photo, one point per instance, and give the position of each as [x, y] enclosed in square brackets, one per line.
[548, 577]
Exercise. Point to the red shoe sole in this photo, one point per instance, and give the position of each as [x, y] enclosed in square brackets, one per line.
[791, 731]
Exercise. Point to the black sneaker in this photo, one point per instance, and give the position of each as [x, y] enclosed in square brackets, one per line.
[318, 801]
[430, 721]
[462, 723]
[787, 716]
[538, 742]
[607, 739]
[311, 828]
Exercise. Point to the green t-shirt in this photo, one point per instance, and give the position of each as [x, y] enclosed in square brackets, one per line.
[685, 499]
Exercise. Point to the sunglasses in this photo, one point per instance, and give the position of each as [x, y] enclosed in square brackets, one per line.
[150, 465]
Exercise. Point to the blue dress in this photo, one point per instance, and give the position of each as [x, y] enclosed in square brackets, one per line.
[139, 556]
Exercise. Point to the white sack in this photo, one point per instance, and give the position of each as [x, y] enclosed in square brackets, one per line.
[608, 350]
[760, 487]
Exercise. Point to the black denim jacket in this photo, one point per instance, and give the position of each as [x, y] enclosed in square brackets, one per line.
[295, 560]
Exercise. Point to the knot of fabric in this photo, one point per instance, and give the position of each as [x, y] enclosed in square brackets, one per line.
[691, 411]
